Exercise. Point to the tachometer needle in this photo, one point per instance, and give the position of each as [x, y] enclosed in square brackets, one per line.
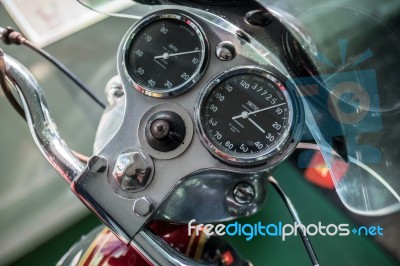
[168, 55]
[257, 126]
[246, 114]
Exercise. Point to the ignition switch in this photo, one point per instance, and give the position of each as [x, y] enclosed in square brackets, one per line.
[165, 131]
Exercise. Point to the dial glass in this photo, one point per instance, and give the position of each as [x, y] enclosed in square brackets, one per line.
[246, 117]
[166, 55]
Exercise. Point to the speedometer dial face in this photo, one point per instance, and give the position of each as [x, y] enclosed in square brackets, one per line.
[245, 116]
[165, 55]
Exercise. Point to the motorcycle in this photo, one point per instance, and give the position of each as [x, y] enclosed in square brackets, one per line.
[210, 97]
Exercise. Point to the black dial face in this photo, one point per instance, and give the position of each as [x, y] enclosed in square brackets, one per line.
[246, 117]
[166, 56]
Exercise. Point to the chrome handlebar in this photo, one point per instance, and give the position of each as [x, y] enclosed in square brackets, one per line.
[41, 124]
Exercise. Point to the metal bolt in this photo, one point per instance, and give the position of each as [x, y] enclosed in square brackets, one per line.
[133, 170]
[142, 206]
[244, 193]
[225, 51]
[97, 164]
[114, 90]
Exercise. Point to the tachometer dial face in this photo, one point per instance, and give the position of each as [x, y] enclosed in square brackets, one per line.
[165, 55]
[245, 116]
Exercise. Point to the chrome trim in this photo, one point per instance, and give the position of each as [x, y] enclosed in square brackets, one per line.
[175, 91]
[43, 129]
[223, 154]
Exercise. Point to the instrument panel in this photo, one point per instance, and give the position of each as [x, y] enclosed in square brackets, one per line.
[244, 114]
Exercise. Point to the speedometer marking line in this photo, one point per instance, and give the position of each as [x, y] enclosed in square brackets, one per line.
[257, 125]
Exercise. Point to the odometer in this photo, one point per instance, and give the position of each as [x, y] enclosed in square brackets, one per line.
[165, 55]
[245, 116]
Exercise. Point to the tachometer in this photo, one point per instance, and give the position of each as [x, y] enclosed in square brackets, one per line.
[245, 116]
[165, 55]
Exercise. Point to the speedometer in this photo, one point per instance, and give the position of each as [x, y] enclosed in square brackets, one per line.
[245, 116]
[165, 55]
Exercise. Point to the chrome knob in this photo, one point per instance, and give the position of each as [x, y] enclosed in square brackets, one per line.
[133, 170]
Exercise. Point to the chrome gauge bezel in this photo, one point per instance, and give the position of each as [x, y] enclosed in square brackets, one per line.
[177, 90]
[245, 159]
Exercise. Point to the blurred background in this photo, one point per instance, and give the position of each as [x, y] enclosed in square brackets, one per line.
[40, 218]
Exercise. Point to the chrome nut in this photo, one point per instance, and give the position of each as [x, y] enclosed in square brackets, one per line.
[142, 206]
[97, 164]
[133, 170]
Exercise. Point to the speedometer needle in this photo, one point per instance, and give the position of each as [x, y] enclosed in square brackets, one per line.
[246, 114]
[257, 126]
[168, 55]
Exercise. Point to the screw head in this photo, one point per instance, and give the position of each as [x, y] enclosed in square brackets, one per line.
[244, 193]
[225, 51]
[143, 206]
[97, 164]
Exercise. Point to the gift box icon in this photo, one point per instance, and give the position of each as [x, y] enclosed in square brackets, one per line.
[344, 104]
